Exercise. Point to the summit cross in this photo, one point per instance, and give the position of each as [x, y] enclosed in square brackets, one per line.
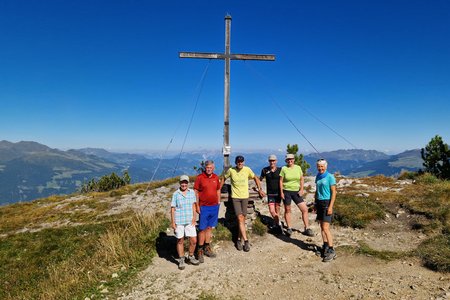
[227, 56]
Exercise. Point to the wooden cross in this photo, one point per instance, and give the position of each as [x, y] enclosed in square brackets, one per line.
[227, 56]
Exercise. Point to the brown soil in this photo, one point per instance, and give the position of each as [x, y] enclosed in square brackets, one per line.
[280, 267]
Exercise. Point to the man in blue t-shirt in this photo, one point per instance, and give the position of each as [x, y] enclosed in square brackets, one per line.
[325, 197]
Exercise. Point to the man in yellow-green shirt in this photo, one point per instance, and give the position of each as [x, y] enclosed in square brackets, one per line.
[239, 177]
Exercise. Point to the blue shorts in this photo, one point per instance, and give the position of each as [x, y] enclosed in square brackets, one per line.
[208, 216]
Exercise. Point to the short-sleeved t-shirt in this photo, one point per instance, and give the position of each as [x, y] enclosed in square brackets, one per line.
[207, 188]
[291, 178]
[272, 180]
[183, 206]
[323, 187]
[239, 181]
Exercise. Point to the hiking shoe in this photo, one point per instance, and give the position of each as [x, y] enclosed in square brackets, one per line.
[289, 231]
[246, 246]
[208, 252]
[181, 265]
[239, 245]
[308, 232]
[323, 250]
[191, 260]
[329, 255]
[200, 257]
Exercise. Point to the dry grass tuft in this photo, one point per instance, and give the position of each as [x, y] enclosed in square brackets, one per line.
[356, 212]
[65, 263]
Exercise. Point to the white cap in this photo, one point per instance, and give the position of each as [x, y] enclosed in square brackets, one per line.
[289, 156]
[184, 178]
[272, 157]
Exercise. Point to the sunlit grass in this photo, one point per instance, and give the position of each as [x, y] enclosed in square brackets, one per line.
[64, 263]
[356, 212]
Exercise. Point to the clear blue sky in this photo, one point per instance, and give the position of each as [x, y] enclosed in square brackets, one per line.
[107, 74]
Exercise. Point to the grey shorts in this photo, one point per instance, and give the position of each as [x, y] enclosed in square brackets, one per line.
[240, 206]
[290, 196]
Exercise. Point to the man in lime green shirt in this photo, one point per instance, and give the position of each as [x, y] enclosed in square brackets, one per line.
[239, 177]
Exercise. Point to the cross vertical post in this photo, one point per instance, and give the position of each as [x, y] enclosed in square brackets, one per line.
[227, 57]
[226, 97]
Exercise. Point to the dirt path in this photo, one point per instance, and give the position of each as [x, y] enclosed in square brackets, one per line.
[280, 267]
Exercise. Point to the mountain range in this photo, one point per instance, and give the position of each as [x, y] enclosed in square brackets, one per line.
[29, 170]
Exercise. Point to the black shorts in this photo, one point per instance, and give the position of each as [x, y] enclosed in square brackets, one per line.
[275, 199]
[321, 209]
[290, 196]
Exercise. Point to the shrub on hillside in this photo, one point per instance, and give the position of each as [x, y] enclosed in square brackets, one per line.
[408, 175]
[106, 183]
[427, 178]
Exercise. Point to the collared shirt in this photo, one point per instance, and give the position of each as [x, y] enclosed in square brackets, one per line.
[183, 206]
[207, 188]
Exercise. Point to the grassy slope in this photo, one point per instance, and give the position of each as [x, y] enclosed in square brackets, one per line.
[70, 262]
[73, 262]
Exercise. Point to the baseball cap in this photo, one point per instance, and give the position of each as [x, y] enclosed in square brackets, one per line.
[272, 157]
[290, 156]
[184, 178]
[239, 158]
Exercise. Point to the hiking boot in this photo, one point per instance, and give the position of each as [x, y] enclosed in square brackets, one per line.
[308, 232]
[289, 231]
[329, 255]
[181, 265]
[239, 245]
[246, 246]
[208, 252]
[191, 260]
[323, 250]
[200, 257]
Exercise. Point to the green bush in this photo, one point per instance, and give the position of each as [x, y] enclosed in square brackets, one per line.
[258, 227]
[427, 178]
[222, 233]
[408, 175]
[106, 183]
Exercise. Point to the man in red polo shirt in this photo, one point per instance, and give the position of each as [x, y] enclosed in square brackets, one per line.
[207, 190]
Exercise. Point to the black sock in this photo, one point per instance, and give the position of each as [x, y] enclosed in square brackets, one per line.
[325, 245]
[201, 247]
[206, 245]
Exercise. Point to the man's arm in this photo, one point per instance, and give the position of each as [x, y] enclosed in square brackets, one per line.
[258, 185]
[197, 203]
[281, 187]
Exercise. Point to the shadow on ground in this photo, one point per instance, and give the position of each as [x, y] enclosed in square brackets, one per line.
[166, 247]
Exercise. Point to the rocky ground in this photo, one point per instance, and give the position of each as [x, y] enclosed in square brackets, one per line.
[287, 268]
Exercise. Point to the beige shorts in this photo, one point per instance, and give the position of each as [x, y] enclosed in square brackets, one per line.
[185, 230]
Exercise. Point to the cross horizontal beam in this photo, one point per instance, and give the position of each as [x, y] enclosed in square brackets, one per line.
[206, 55]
